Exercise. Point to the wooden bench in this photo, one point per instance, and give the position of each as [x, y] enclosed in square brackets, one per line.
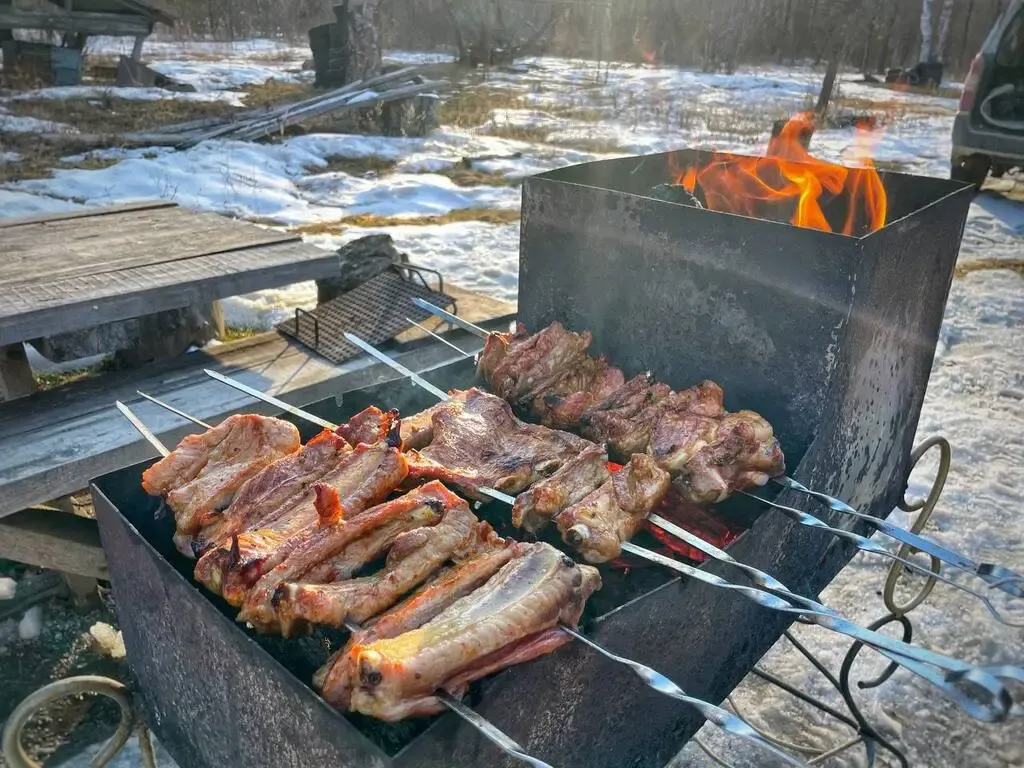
[53, 443]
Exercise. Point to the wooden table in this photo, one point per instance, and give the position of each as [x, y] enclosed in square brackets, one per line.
[84, 268]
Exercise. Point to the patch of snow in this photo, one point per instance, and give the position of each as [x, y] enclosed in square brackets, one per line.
[15, 203]
[8, 588]
[212, 76]
[31, 624]
[127, 94]
[10, 157]
[22, 124]
[411, 58]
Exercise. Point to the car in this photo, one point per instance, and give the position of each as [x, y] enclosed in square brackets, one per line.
[988, 131]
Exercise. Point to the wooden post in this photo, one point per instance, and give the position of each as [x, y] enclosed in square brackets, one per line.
[137, 48]
[16, 378]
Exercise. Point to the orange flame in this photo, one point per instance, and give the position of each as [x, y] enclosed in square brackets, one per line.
[789, 178]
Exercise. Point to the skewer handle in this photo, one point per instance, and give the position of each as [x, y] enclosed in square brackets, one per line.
[922, 662]
[454, 319]
[867, 545]
[997, 576]
[725, 720]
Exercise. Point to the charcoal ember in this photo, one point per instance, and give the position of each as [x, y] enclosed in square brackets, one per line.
[675, 193]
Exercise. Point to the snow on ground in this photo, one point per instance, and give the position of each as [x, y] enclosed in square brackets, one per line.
[128, 94]
[561, 112]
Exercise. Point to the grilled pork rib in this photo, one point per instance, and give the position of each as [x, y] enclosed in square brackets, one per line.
[361, 539]
[200, 477]
[598, 524]
[396, 677]
[413, 557]
[368, 426]
[362, 478]
[277, 487]
[535, 508]
[477, 441]
[689, 433]
[484, 558]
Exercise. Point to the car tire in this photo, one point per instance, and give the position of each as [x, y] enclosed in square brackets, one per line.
[972, 169]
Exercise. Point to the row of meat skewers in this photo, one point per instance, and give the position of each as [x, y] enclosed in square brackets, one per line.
[280, 529]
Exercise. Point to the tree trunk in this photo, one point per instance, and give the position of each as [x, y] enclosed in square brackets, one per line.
[940, 44]
[926, 31]
[827, 86]
[963, 54]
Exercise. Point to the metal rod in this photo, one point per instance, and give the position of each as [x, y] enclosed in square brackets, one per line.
[174, 410]
[867, 545]
[143, 429]
[997, 576]
[372, 351]
[440, 338]
[453, 319]
[271, 399]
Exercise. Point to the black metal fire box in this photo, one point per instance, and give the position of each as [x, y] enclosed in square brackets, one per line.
[830, 337]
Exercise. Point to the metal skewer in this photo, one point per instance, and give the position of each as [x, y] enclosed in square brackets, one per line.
[996, 576]
[482, 724]
[915, 659]
[724, 719]
[442, 339]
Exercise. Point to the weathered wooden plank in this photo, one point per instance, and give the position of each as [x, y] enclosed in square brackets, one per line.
[67, 437]
[16, 377]
[44, 309]
[54, 540]
[81, 22]
[47, 251]
[81, 213]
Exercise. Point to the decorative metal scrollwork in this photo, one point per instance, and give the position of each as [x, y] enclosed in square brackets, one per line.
[864, 732]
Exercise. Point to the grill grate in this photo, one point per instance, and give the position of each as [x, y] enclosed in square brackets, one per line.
[375, 311]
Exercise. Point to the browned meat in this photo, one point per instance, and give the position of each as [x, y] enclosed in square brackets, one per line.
[477, 441]
[713, 458]
[423, 506]
[368, 426]
[483, 560]
[563, 404]
[202, 474]
[624, 420]
[412, 558]
[529, 363]
[279, 486]
[362, 478]
[599, 523]
[576, 478]
[397, 677]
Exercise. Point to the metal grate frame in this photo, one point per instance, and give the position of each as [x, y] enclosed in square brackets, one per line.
[376, 311]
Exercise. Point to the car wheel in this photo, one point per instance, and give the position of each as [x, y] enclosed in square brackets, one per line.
[970, 170]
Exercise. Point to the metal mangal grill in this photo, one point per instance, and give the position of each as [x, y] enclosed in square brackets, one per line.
[818, 332]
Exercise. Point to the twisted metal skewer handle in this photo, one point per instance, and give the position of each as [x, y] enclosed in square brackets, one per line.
[996, 706]
[725, 720]
[487, 729]
[867, 545]
[997, 576]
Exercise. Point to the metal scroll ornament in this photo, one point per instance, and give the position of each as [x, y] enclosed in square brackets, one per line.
[898, 609]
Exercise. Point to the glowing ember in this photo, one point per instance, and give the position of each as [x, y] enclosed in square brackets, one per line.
[788, 179]
[698, 521]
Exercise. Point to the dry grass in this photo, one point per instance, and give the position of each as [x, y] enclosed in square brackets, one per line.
[112, 116]
[471, 106]
[980, 265]
[276, 92]
[468, 177]
[355, 166]
[235, 334]
[368, 220]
